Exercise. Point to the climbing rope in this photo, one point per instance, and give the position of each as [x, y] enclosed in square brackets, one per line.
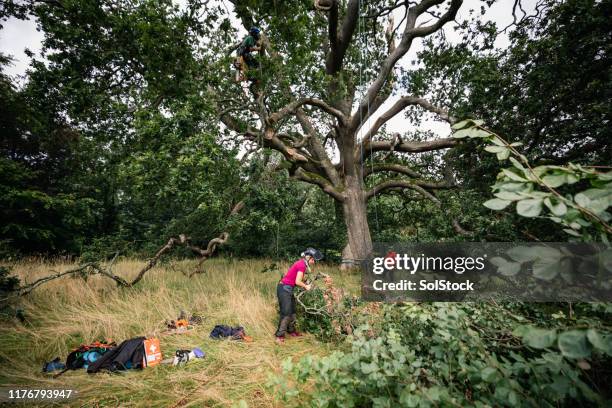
[360, 28]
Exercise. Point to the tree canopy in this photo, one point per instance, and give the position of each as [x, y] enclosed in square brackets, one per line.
[129, 126]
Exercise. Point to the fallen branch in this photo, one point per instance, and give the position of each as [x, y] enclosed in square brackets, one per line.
[94, 268]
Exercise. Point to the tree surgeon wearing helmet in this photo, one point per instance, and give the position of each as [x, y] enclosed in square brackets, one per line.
[285, 288]
[245, 59]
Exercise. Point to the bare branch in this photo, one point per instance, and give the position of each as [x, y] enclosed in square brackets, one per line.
[399, 106]
[539, 8]
[410, 33]
[153, 261]
[317, 149]
[408, 147]
[320, 181]
[293, 106]
[410, 184]
[390, 167]
[94, 268]
[338, 48]
[387, 10]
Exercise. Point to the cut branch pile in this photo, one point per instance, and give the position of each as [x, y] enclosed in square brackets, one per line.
[330, 306]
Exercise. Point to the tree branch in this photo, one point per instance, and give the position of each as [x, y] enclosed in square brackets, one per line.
[418, 185]
[318, 149]
[322, 182]
[421, 188]
[332, 32]
[391, 167]
[399, 106]
[336, 54]
[293, 106]
[410, 33]
[172, 242]
[408, 147]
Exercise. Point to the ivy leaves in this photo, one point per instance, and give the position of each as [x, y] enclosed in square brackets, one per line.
[572, 344]
[534, 189]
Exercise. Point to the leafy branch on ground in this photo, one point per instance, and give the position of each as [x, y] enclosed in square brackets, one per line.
[458, 354]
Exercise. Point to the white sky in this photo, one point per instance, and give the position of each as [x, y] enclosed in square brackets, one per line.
[17, 35]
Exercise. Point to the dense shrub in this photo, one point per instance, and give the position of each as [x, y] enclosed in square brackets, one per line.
[454, 354]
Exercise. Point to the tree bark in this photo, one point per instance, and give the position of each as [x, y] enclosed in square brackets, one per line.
[355, 208]
[358, 231]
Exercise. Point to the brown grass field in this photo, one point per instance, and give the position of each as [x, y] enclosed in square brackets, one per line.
[66, 312]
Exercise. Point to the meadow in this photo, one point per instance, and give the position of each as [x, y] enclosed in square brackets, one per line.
[67, 312]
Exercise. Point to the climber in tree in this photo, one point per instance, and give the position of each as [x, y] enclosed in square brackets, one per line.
[245, 61]
[284, 291]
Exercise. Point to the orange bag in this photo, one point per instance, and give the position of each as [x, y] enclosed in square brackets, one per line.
[153, 355]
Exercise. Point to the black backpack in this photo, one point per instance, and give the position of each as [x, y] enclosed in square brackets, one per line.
[75, 359]
[129, 354]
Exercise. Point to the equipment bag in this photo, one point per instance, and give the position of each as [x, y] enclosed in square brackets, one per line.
[129, 354]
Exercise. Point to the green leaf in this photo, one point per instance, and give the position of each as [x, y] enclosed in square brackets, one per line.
[571, 232]
[463, 133]
[523, 254]
[572, 178]
[478, 133]
[433, 393]
[556, 207]
[555, 180]
[517, 164]
[503, 155]
[510, 196]
[595, 199]
[489, 374]
[513, 398]
[496, 204]
[513, 176]
[573, 344]
[368, 368]
[529, 208]
[601, 343]
[539, 338]
[495, 149]
[461, 124]
[540, 170]
[505, 267]
[546, 269]
[497, 141]
[513, 186]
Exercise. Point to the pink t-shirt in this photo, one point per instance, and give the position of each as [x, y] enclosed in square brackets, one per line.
[291, 275]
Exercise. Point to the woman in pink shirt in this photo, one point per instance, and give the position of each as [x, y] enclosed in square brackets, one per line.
[284, 291]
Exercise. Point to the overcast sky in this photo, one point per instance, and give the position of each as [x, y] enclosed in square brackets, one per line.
[17, 35]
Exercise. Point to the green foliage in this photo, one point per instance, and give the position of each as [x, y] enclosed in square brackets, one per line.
[581, 210]
[318, 324]
[329, 321]
[453, 354]
[44, 206]
[8, 286]
[548, 88]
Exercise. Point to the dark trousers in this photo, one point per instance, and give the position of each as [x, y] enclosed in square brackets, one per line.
[286, 305]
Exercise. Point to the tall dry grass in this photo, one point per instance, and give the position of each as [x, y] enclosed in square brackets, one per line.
[67, 312]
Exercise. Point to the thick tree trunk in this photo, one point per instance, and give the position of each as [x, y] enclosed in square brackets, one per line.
[354, 207]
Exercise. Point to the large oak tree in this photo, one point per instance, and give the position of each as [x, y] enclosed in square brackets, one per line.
[324, 78]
